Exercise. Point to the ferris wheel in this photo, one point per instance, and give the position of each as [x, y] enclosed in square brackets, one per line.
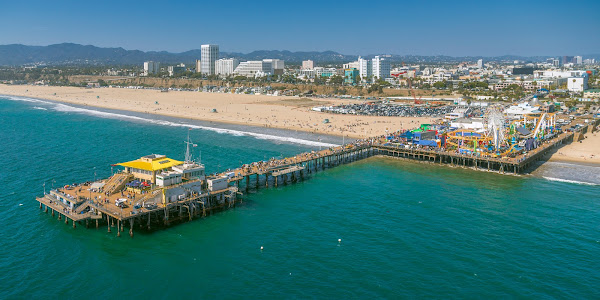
[494, 126]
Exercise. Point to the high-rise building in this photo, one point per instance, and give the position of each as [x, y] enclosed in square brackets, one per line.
[365, 68]
[381, 68]
[567, 59]
[198, 66]
[226, 66]
[208, 56]
[480, 63]
[151, 67]
[556, 62]
[308, 65]
[578, 60]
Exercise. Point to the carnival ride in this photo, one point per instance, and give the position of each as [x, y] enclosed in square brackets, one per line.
[499, 138]
[541, 122]
[494, 139]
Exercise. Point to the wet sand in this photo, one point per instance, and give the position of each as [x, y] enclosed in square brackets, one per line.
[290, 113]
[586, 151]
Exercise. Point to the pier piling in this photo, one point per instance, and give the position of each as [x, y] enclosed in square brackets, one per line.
[291, 170]
[131, 227]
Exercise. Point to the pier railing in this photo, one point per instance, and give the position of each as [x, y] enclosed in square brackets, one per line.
[276, 172]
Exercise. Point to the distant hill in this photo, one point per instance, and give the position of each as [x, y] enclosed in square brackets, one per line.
[75, 54]
[68, 53]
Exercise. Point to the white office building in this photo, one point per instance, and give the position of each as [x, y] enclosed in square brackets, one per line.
[226, 66]
[365, 68]
[351, 65]
[151, 67]
[308, 65]
[381, 68]
[480, 63]
[208, 56]
[253, 68]
[577, 84]
[304, 73]
[325, 72]
[578, 60]
[558, 74]
[275, 66]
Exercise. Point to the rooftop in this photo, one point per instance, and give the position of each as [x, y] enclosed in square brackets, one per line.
[152, 162]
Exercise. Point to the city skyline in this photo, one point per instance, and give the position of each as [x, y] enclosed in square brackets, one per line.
[454, 29]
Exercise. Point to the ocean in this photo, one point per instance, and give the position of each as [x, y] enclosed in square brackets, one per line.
[407, 230]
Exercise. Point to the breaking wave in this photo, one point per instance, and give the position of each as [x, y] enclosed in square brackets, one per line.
[569, 181]
[111, 115]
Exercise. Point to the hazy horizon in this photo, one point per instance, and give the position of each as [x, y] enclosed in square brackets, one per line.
[466, 28]
[321, 51]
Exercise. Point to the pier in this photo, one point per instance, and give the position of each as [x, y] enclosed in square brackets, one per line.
[193, 198]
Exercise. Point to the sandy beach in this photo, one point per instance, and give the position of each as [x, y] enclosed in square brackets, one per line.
[586, 151]
[258, 110]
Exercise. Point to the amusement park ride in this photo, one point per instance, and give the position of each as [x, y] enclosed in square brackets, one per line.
[499, 137]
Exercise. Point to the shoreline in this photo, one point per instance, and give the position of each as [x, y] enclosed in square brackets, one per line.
[257, 125]
[574, 161]
[278, 112]
[586, 152]
[275, 134]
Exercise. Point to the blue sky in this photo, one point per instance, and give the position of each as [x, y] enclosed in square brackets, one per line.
[432, 27]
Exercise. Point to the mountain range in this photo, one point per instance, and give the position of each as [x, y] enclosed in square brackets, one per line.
[76, 54]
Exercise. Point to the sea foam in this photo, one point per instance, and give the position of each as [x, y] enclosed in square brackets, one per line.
[111, 115]
[568, 181]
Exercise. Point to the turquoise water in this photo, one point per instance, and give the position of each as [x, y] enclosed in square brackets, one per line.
[408, 230]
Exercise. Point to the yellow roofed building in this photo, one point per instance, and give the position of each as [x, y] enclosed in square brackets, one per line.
[146, 167]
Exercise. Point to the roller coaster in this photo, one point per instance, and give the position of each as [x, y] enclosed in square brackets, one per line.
[498, 139]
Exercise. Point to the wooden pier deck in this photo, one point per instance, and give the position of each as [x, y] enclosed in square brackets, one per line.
[101, 208]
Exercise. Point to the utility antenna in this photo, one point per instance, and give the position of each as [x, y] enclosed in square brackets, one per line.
[188, 155]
